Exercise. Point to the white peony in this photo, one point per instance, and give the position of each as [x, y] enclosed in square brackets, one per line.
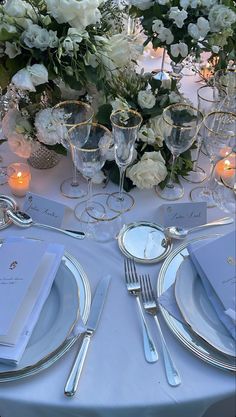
[141, 4]
[178, 16]
[166, 36]
[149, 171]
[146, 99]
[79, 14]
[36, 37]
[48, 131]
[38, 73]
[157, 25]
[221, 17]
[179, 49]
[12, 49]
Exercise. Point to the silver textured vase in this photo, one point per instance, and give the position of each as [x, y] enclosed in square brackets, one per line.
[43, 158]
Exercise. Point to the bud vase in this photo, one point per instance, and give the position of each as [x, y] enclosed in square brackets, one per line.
[43, 158]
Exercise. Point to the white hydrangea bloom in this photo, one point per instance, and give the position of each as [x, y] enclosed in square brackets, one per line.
[200, 29]
[166, 36]
[178, 16]
[189, 3]
[179, 49]
[221, 17]
[157, 25]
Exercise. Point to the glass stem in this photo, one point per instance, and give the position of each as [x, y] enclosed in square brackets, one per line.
[163, 62]
[75, 182]
[199, 144]
[121, 185]
[170, 183]
[90, 192]
[211, 181]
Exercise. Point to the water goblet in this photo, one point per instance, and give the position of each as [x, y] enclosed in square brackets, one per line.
[181, 123]
[90, 156]
[224, 193]
[210, 98]
[66, 115]
[219, 136]
[226, 79]
[125, 126]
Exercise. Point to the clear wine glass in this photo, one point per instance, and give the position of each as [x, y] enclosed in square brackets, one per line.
[226, 79]
[89, 158]
[181, 123]
[224, 193]
[68, 114]
[125, 126]
[219, 137]
[3, 169]
[210, 98]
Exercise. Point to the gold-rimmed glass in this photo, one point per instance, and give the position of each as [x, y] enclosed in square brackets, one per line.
[68, 114]
[180, 123]
[125, 126]
[219, 136]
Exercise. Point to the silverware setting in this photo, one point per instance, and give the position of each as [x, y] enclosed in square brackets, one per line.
[150, 305]
[93, 320]
[134, 288]
[180, 233]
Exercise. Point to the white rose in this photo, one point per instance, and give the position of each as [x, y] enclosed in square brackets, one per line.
[146, 99]
[221, 17]
[203, 26]
[146, 135]
[166, 36]
[12, 49]
[72, 41]
[174, 98]
[157, 25]
[23, 81]
[193, 31]
[38, 73]
[178, 16]
[141, 4]
[36, 37]
[179, 49]
[119, 104]
[156, 124]
[149, 171]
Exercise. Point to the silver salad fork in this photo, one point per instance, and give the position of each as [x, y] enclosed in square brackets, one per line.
[134, 288]
[151, 307]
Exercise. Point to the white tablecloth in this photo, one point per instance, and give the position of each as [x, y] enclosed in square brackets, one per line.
[116, 381]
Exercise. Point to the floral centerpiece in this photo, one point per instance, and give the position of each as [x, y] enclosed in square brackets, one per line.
[51, 49]
[183, 27]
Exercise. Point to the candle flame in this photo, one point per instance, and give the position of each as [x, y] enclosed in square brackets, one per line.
[19, 174]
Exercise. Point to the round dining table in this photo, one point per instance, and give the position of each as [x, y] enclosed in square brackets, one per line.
[116, 380]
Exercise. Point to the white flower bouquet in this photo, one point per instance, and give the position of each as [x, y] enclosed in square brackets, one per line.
[183, 27]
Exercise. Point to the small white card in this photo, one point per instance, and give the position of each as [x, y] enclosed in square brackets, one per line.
[19, 263]
[183, 214]
[43, 210]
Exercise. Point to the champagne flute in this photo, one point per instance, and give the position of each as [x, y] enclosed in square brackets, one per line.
[125, 126]
[3, 169]
[181, 123]
[219, 139]
[66, 115]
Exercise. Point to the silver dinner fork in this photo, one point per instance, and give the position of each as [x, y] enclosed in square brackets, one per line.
[151, 307]
[134, 288]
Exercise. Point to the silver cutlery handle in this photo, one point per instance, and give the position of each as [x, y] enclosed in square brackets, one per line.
[219, 222]
[171, 371]
[76, 235]
[150, 351]
[74, 376]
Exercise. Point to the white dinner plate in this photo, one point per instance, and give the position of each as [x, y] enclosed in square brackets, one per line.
[52, 336]
[197, 310]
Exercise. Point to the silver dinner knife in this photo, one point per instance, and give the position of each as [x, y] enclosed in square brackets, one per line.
[95, 313]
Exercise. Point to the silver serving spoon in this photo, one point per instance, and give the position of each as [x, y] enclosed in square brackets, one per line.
[179, 233]
[22, 219]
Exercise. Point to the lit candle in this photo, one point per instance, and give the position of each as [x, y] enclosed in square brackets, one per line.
[225, 169]
[19, 179]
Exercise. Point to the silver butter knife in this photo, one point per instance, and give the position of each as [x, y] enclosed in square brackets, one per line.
[95, 313]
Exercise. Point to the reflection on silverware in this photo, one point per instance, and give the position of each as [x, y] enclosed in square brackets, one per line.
[150, 305]
[95, 313]
[134, 288]
[179, 233]
[22, 219]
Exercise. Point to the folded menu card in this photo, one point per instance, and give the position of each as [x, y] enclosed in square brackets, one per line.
[28, 269]
[215, 263]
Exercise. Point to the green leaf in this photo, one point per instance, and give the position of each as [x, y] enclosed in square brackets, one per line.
[7, 36]
[103, 115]
[58, 148]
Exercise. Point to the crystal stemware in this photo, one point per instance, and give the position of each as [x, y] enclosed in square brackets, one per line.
[125, 126]
[226, 79]
[68, 114]
[3, 169]
[181, 123]
[219, 136]
[209, 99]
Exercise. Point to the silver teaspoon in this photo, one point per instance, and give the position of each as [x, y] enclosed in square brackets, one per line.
[179, 233]
[22, 219]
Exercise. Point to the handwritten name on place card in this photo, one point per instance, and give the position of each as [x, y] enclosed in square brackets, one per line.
[183, 214]
[44, 210]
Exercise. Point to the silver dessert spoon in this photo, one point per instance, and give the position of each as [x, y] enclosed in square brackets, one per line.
[179, 233]
[22, 219]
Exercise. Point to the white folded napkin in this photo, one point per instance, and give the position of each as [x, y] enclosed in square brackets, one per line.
[29, 269]
[215, 264]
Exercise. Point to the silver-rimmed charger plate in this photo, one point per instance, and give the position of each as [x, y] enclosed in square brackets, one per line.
[183, 332]
[70, 297]
[145, 242]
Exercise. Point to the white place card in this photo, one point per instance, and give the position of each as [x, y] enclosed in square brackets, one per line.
[43, 210]
[183, 214]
